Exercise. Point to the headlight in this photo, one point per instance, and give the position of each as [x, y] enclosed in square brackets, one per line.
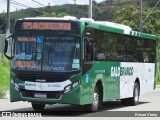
[75, 84]
[14, 85]
[12, 82]
[67, 89]
[71, 87]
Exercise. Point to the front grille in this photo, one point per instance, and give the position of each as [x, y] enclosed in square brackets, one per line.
[49, 95]
[33, 78]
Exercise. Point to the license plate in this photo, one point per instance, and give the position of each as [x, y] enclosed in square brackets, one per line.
[40, 95]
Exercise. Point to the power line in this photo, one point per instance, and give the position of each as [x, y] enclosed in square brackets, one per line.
[2, 9]
[3, 23]
[5, 2]
[5, 19]
[150, 12]
[38, 3]
[25, 6]
[19, 4]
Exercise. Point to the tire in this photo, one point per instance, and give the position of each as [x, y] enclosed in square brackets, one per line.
[38, 106]
[135, 98]
[96, 101]
[133, 101]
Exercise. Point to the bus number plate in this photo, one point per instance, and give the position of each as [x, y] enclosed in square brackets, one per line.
[40, 95]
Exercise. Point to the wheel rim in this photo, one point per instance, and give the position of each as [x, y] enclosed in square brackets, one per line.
[96, 99]
[136, 94]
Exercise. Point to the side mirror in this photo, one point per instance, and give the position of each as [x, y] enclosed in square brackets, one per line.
[7, 47]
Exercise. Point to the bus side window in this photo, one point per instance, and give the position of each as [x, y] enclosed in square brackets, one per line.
[88, 44]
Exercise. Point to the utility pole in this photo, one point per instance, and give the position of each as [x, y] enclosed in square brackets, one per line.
[7, 25]
[151, 12]
[8, 19]
[74, 1]
[141, 16]
[90, 8]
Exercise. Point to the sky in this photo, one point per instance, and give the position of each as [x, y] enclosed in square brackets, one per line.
[34, 4]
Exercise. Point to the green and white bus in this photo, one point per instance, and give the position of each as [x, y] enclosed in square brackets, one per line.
[80, 62]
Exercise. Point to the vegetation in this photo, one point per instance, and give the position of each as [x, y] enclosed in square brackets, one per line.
[158, 82]
[4, 76]
[158, 76]
[2, 94]
[102, 11]
[53, 14]
[129, 16]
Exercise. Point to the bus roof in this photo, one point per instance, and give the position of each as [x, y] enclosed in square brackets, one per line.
[50, 18]
[118, 28]
[101, 25]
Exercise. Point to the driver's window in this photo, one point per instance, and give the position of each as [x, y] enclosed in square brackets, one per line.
[88, 50]
[88, 45]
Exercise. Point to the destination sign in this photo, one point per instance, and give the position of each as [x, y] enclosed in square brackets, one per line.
[28, 64]
[32, 39]
[46, 26]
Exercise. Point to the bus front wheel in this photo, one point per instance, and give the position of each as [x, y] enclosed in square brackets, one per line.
[96, 101]
[38, 106]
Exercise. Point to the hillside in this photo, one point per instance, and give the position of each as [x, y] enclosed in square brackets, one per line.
[101, 11]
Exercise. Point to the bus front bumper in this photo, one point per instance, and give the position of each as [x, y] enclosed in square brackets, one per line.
[71, 97]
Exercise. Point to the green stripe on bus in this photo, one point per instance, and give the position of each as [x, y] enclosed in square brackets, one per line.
[143, 35]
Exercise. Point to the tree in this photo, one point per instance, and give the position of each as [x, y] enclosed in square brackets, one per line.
[53, 14]
[152, 3]
[62, 14]
[129, 15]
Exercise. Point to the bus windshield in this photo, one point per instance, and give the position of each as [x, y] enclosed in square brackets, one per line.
[47, 53]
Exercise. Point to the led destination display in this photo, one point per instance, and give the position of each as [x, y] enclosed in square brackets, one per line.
[46, 26]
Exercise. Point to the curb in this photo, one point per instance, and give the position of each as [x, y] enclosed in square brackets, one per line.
[7, 94]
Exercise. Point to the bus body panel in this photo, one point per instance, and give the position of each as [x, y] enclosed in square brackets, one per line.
[117, 78]
[101, 71]
[145, 77]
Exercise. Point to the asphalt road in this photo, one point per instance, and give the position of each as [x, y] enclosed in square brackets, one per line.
[149, 103]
